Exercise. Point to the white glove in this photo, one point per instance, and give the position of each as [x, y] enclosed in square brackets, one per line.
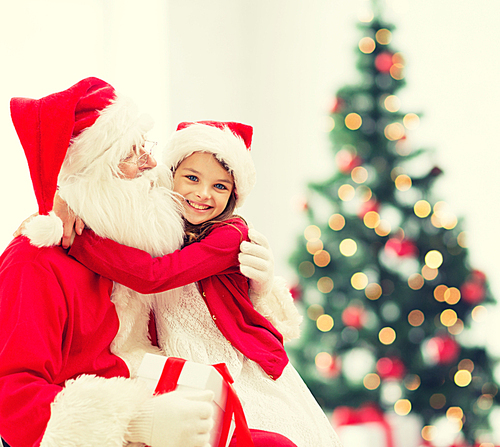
[175, 419]
[257, 263]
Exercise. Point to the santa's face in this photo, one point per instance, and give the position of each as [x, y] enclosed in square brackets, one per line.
[205, 186]
[135, 163]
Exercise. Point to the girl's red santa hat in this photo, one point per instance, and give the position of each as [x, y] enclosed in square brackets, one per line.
[230, 143]
[65, 132]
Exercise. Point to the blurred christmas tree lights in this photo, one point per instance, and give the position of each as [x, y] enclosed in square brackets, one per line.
[385, 280]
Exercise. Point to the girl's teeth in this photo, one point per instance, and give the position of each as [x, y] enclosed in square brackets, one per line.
[198, 207]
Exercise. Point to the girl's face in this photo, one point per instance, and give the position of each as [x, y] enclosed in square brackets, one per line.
[205, 185]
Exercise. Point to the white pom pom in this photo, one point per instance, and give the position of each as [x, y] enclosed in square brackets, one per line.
[44, 231]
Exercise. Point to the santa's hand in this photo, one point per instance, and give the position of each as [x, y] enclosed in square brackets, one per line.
[175, 419]
[257, 263]
[20, 229]
[71, 222]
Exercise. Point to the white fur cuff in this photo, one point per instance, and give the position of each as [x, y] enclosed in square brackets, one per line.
[94, 411]
[278, 307]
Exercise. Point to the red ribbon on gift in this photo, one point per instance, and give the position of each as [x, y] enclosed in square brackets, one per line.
[168, 382]
[362, 415]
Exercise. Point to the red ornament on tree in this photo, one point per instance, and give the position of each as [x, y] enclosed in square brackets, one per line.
[371, 205]
[354, 316]
[338, 105]
[473, 290]
[330, 369]
[442, 349]
[401, 248]
[391, 368]
[347, 161]
[383, 62]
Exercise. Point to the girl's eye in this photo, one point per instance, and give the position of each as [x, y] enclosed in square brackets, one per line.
[220, 186]
[192, 177]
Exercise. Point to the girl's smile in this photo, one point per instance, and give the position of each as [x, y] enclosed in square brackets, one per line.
[205, 185]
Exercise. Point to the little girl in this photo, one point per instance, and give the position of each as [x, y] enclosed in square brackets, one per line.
[212, 320]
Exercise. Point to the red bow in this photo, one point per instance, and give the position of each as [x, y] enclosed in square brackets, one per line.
[168, 382]
[365, 413]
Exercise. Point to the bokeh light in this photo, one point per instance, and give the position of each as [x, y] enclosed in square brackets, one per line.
[411, 121]
[422, 208]
[371, 219]
[348, 247]
[479, 314]
[394, 131]
[325, 323]
[373, 291]
[437, 401]
[359, 174]
[336, 222]
[402, 407]
[322, 258]
[452, 295]
[439, 292]
[428, 432]
[366, 45]
[306, 269]
[312, 232]
[371, 381]
[416, 317]
[353, 121]
[387, 335]
[314, 311]
[448, 317]
[416, 281]
[462, 378]
[403, 182]
[325, 284]
[434, 259]
[412, 382]
[428, 273]
[383, 36]
[392, 103]
[346, 192]
[383, 228]
[359, 281]
[313, 246]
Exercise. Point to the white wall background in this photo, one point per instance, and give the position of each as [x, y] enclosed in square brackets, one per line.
[275, 64]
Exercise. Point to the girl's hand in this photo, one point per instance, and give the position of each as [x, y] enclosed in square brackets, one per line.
[257, 263]
[71, 222]
[20, 229]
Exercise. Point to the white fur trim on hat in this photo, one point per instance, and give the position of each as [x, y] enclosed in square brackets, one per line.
[224, 144]
[44, 231]
[109, 140]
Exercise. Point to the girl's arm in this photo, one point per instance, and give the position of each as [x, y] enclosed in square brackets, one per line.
[138, 270]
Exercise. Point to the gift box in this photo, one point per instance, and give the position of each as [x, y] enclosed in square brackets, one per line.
[166, 374]
[369, 426]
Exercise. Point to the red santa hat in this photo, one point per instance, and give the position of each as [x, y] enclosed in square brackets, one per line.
[230, 143]
[48, 126]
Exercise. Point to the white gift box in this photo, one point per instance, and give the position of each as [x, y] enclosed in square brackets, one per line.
[194, 376]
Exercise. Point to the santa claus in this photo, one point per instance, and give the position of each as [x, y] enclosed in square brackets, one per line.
[69, 354]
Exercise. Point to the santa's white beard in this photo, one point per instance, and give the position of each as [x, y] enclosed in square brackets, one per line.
[142, 213]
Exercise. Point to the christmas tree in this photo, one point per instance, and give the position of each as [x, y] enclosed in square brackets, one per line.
[384, 277]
